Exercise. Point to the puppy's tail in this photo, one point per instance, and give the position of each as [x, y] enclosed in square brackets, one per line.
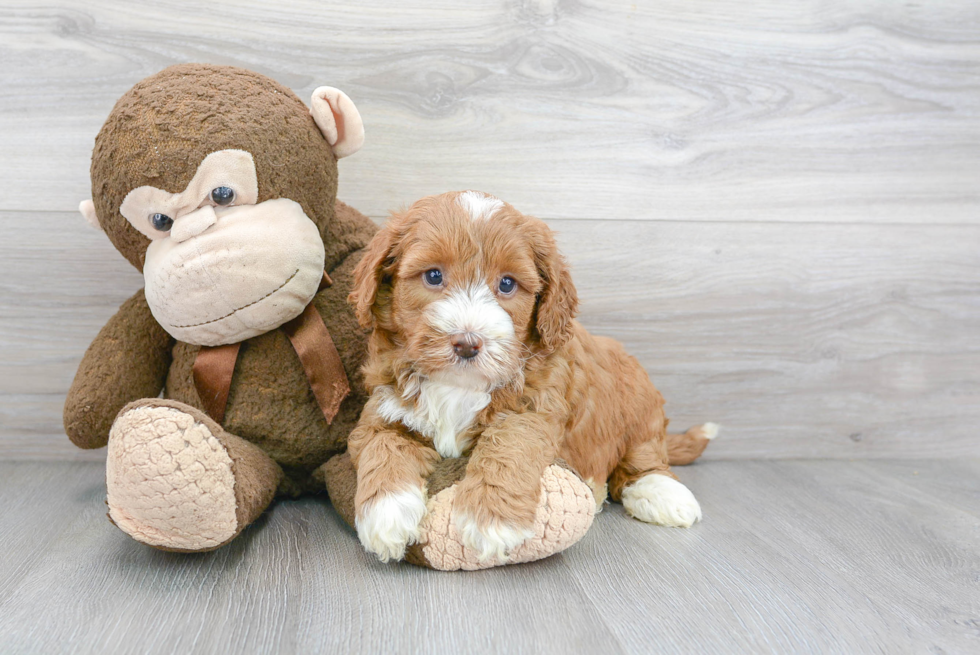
[685, 448]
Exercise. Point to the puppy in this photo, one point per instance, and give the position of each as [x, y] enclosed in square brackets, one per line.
[475, 349]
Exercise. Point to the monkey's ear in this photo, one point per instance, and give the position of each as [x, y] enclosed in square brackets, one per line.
[338, 120]
[87, 208]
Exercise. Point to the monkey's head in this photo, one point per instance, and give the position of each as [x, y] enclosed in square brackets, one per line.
[219, 185]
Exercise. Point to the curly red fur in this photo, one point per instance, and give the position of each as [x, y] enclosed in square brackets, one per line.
[555, 390]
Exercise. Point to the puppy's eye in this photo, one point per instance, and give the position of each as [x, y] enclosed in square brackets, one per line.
[508, 285]
[161, 222]
[223, 195]
[433, 277]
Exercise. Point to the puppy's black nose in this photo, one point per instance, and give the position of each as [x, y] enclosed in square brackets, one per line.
[466, 346]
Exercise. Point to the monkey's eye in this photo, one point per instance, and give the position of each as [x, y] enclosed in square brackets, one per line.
[161, 222]
[508, 285]
[223, 195]
[433, 277]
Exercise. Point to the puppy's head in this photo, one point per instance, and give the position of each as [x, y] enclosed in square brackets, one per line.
[467, 287]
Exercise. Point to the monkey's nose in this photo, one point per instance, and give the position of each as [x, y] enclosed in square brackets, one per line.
[467, 345]
[193, 224]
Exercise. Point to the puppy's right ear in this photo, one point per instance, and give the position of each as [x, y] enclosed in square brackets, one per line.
[368, 275]
[558, 299]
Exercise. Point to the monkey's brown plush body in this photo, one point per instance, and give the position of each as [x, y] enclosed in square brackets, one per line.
[191, 168]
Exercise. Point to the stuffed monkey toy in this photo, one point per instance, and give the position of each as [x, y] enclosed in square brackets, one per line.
[234, 376]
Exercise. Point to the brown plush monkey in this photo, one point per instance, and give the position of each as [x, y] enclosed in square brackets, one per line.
[220, 186]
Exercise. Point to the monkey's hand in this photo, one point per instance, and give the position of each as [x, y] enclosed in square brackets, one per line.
[128, 360]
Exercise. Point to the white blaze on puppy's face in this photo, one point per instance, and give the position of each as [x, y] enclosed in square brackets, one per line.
[472, 310]
[479, 205]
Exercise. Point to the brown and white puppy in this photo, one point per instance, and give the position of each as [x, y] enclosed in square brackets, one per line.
[475, 348]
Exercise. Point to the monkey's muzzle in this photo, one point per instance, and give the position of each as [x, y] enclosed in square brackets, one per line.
[226, 274]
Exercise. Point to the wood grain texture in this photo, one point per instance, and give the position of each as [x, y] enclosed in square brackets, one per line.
[811, 340]
[818, 294]
[807, 111]
[60, 281]
[803, 557]
[803, 340]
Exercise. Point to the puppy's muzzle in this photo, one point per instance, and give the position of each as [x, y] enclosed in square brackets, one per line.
[466, 346]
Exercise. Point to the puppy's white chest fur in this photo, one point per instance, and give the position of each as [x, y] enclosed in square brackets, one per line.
[440, 411]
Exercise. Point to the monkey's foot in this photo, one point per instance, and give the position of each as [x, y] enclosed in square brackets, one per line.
[171, 477]
[565, 512]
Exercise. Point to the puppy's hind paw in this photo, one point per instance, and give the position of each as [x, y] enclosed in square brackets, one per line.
[662, 500]
[496, 539]
[387, 524]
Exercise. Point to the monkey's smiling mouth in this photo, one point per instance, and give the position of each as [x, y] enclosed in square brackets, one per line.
[258, 300]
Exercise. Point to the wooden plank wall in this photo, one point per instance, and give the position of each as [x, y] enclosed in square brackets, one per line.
[775, 205]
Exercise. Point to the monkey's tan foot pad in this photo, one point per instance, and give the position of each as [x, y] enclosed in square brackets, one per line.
[564, 515]
[169, 479]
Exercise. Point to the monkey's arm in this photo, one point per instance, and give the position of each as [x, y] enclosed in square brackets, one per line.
[128, 360]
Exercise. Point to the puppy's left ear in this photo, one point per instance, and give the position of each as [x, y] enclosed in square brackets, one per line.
[558, 299]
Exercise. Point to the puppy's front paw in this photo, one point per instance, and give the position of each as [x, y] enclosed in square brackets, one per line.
[492, 539]
[662, 500]
[389, 522]
[488, 524]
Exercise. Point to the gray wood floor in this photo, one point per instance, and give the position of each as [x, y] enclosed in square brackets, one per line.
[792, 556]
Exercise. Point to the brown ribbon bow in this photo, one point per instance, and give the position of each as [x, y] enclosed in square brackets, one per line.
[215, 365]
